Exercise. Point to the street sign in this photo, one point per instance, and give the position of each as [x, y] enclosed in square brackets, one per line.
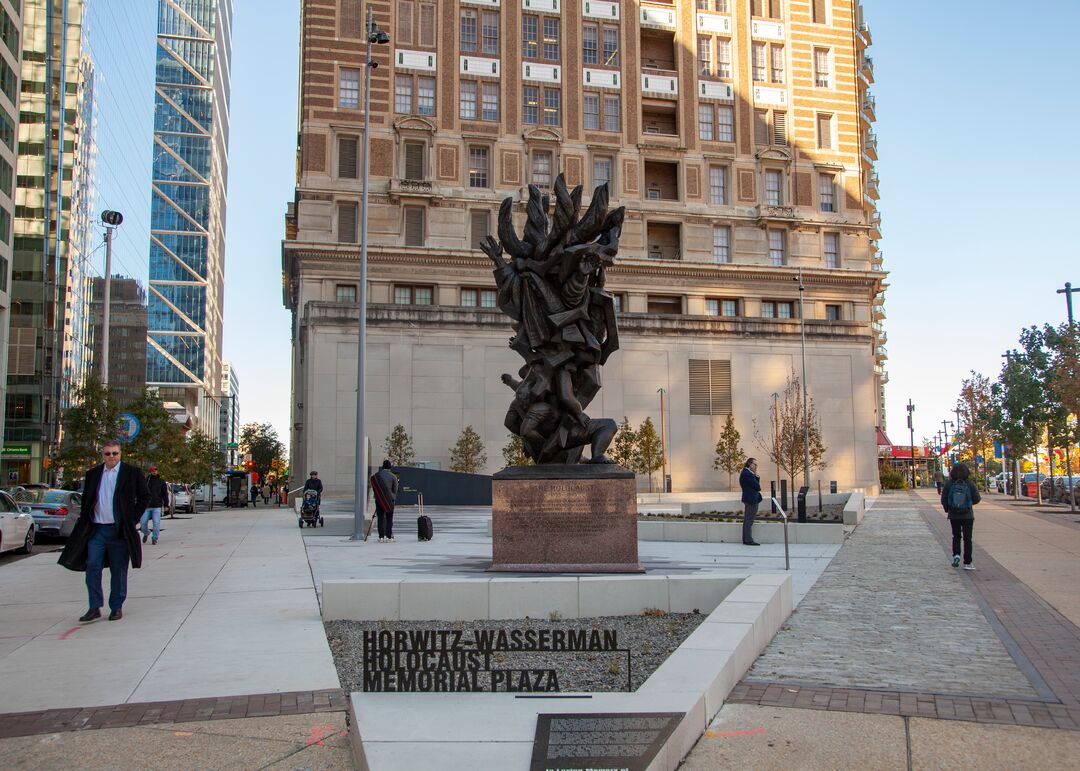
[232, 446]
[998, 448]
[129, 427]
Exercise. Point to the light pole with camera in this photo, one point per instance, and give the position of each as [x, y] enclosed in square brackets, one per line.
[374, 35]
[112, 220]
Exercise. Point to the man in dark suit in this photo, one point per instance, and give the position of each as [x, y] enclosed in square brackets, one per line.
[114, 499]
[750, 483]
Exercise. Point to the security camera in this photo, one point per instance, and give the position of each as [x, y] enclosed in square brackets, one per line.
[374, 65]
[379, 37]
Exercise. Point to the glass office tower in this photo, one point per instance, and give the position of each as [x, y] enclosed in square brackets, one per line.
[187, 215]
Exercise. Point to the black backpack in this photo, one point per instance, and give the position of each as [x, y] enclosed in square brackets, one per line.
[960, 496]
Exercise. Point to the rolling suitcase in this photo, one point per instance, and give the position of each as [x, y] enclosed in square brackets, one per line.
[423, 522]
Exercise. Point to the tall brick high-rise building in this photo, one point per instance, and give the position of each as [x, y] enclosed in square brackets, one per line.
[735, 132]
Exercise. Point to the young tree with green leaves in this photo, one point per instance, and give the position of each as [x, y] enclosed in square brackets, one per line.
[399, 447]
[730, 456]
[468, 454]
[625, 445]
[788, 428]
[203, 460]
[648, 451]
[1020, 405]
[92, 420]
[160, 439]
[976, 435]
[260, 440]
[514, 452]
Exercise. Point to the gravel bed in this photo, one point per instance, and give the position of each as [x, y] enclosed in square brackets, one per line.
[649, 638]
[832, 513]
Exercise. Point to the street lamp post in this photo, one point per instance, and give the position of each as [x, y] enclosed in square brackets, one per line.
[911, 429]
[663, 444]
[1068, 292]
[112, 220]
[945, 425]
[374, 35]
[805, 398]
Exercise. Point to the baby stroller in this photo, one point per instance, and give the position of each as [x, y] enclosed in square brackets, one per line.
[309, 510]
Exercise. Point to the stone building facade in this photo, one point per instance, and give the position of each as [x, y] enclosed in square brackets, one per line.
[735, 133]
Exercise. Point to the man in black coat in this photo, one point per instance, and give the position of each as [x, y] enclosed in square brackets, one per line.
[750, 483]
[114, 499]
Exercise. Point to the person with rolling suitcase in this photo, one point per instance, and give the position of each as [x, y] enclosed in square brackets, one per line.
[384, 486]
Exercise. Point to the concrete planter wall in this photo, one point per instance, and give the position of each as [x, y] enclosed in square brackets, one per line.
[731, 532]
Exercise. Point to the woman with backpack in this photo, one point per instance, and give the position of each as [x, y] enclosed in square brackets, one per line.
[958, 499]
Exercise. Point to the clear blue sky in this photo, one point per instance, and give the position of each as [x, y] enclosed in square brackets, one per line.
[977, 111]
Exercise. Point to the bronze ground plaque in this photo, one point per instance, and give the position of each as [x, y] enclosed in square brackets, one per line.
[556, 518]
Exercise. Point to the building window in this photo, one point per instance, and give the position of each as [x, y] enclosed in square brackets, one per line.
[821, 68]
[827, 192]
[726, 308]
[403, 94]
[467, 100]
[478, 167]
[766, 8]
[758, 67]
[552, 107]
[490, 32]
[530, 38]
[416, 25]
[665, 304]
[704, 55]
[489, 106]
[776, 53]
[346, 293]
[721, 244]
[349, 89]
[773, 188]
[611, 45]
[618, 301]
[602, 166]
[478, 298]
[824, 131]
[469, 30]
[348, 157]
[718, 185]
[590, 44]
[710, 387]
[832, 313]
[530, 105]
[414, 226]
[7, 175]
[414, 160]
[479, 227]
[346, 222]
[542, 165]
[408, 86]
[720, 6]
[591, 111]
[425, 102]
[770, 127]
[777, 254]
[551, 39]
[832, 250]
[777, 309]
[414, 295]
[716, 122]
[612, 112]
[818, 14]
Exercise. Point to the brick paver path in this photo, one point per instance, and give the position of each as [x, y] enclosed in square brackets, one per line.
[1042, 643]
[186, 711]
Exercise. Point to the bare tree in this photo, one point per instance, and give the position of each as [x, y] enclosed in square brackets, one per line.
[784, 444]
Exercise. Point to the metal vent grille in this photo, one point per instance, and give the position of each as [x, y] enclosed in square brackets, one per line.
[710, 387]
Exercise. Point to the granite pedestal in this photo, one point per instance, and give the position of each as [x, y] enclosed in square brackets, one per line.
[564, 519]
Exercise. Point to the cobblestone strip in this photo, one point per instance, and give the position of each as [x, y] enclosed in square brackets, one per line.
[929, 705]
[890, 612]
[185, 711]
[1049, 640]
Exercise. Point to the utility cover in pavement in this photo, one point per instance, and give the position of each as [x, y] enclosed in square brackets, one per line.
[626, 741]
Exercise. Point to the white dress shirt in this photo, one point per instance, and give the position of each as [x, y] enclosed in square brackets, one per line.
[103, 508]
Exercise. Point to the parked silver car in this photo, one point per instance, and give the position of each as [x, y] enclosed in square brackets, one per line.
[56, 511]
[16, 526]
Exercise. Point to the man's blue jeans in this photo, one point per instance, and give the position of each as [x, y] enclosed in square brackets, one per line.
[145, 521]
[106, 539]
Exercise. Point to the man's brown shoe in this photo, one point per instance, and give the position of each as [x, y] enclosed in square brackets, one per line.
[116, 615]
[91, 615]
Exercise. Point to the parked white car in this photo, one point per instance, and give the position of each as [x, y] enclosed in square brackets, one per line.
[182, 499]
[16, 526]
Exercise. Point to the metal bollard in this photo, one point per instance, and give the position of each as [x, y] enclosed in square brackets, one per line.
[783, 514]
